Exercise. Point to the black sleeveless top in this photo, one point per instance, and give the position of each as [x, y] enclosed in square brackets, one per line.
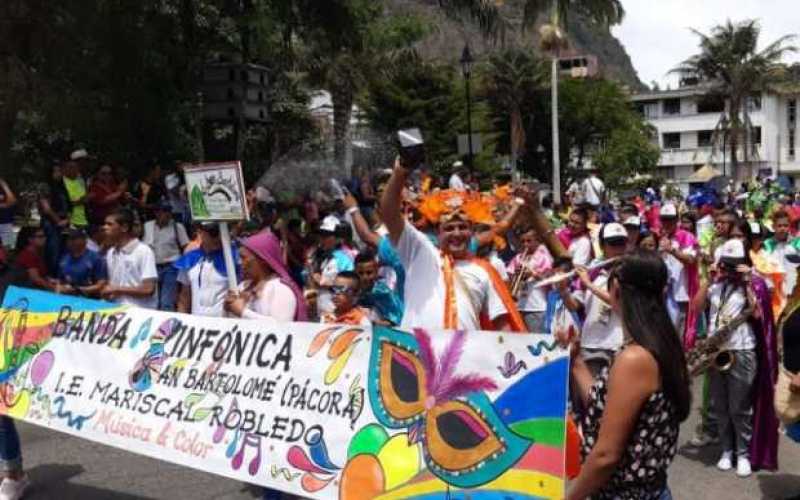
[642, 472]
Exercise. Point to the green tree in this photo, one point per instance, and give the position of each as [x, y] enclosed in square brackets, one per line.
[508, 80]
[731, 67]
[352, 42]
[628, 152]
[429, 96]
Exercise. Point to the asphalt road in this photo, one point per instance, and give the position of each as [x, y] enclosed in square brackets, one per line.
[62, 467]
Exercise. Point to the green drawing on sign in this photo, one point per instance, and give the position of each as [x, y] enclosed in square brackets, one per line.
[198, 203]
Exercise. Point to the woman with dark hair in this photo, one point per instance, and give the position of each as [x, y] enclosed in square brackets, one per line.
[635, 407]
[689, 222]
[31, 242]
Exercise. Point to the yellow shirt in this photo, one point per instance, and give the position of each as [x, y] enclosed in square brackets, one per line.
[76, 189]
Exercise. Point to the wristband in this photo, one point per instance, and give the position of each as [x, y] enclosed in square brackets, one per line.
[351, 210]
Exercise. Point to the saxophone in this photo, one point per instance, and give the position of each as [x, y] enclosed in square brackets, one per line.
[708, 353]
[521, 276]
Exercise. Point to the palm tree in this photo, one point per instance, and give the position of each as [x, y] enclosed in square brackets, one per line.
[510, 77]
[553, 39]
[732, 68]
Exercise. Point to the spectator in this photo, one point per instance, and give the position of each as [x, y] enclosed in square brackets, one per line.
[345, 292]
[81, 271]
[30, 247]
[53, 205]
[268, 290]
[7, 203]
[148, 193]
[132, 274]
[76, 194]
[384, 303]
[105, 194]
[329, 261]
[594, 191]
[202, 275]
[167, 238]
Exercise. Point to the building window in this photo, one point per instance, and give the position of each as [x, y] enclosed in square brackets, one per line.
[791, 145]
[672, 106]
[672, 141]
[711, 104]
[704, 138]
[755, 136]
[791, 113]
[754, 103]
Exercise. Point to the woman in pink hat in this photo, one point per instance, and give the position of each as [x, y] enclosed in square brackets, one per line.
[268, 290]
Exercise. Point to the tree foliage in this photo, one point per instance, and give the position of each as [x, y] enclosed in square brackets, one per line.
[731, 67]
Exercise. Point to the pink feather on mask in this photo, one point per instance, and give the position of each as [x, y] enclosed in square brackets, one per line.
[461, 385]
[450, 357]
[428, 357]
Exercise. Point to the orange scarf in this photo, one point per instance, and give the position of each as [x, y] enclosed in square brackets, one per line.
[451, 307]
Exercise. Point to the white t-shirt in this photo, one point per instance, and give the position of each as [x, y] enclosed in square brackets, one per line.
[580, 249]
[602, 328]
[425, 286]
[456, 183]
[731, 301]
[593, 189]
[498, 264]
[576, 194]
[274, 300]
[166, 241]
[678, 275]
[130, 266]
[208, 288]
[532, 299]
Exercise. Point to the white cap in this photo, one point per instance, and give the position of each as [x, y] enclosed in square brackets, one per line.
[613, 231]
[329, 224]
[732, 250]
[755, 228]
[668, 210]
[633, 220]
[78, 154]
[458, 163]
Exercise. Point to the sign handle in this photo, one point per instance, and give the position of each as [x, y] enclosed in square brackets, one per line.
[230, 269]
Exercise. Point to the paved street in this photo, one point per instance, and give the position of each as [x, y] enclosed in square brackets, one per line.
[67, 468]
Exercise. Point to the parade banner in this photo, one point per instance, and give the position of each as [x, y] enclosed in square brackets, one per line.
[316, 410]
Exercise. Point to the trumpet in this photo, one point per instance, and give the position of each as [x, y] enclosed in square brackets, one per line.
[570, 274]
[521, 277]
[708, 353]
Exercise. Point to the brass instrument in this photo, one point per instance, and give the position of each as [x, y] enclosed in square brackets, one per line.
[571, 274]
[523, 274]
[708, 353]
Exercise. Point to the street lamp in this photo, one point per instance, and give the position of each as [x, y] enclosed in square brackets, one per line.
[466, 70]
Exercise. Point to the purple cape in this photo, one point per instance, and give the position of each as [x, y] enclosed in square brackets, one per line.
[764, 444]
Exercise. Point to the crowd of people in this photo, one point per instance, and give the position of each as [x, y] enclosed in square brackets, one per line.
[633, 285]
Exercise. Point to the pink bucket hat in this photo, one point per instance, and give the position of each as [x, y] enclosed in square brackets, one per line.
[267, 247]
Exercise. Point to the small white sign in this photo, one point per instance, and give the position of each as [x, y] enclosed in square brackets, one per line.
[216, 192]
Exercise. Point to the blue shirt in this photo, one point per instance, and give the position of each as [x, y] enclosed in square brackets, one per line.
[385, 301]
[387, 256]
[85, 270]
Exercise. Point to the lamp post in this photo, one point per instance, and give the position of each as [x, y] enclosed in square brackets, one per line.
[466, 69]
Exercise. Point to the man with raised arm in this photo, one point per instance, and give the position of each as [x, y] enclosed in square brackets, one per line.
[446, 286]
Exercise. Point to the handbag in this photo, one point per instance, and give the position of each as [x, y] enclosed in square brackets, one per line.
[787, 403]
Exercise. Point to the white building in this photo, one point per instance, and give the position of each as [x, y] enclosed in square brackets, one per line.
[685, 119]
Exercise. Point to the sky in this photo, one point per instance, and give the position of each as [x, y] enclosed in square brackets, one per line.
[656, 33]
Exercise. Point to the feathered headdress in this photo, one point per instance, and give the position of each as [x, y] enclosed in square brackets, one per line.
[450, 204]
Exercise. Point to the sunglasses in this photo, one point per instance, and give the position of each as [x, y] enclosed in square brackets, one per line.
[341, 290]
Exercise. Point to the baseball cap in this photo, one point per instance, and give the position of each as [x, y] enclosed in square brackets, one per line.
[329, 224]
[732, 252]
[78, 154]
[633, 221]
[668, 211]
[755, 229]
[613, 232]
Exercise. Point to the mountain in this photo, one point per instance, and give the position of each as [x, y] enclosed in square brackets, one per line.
[447, 39]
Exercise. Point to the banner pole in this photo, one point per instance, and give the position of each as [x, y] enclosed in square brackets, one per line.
[230, 269]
